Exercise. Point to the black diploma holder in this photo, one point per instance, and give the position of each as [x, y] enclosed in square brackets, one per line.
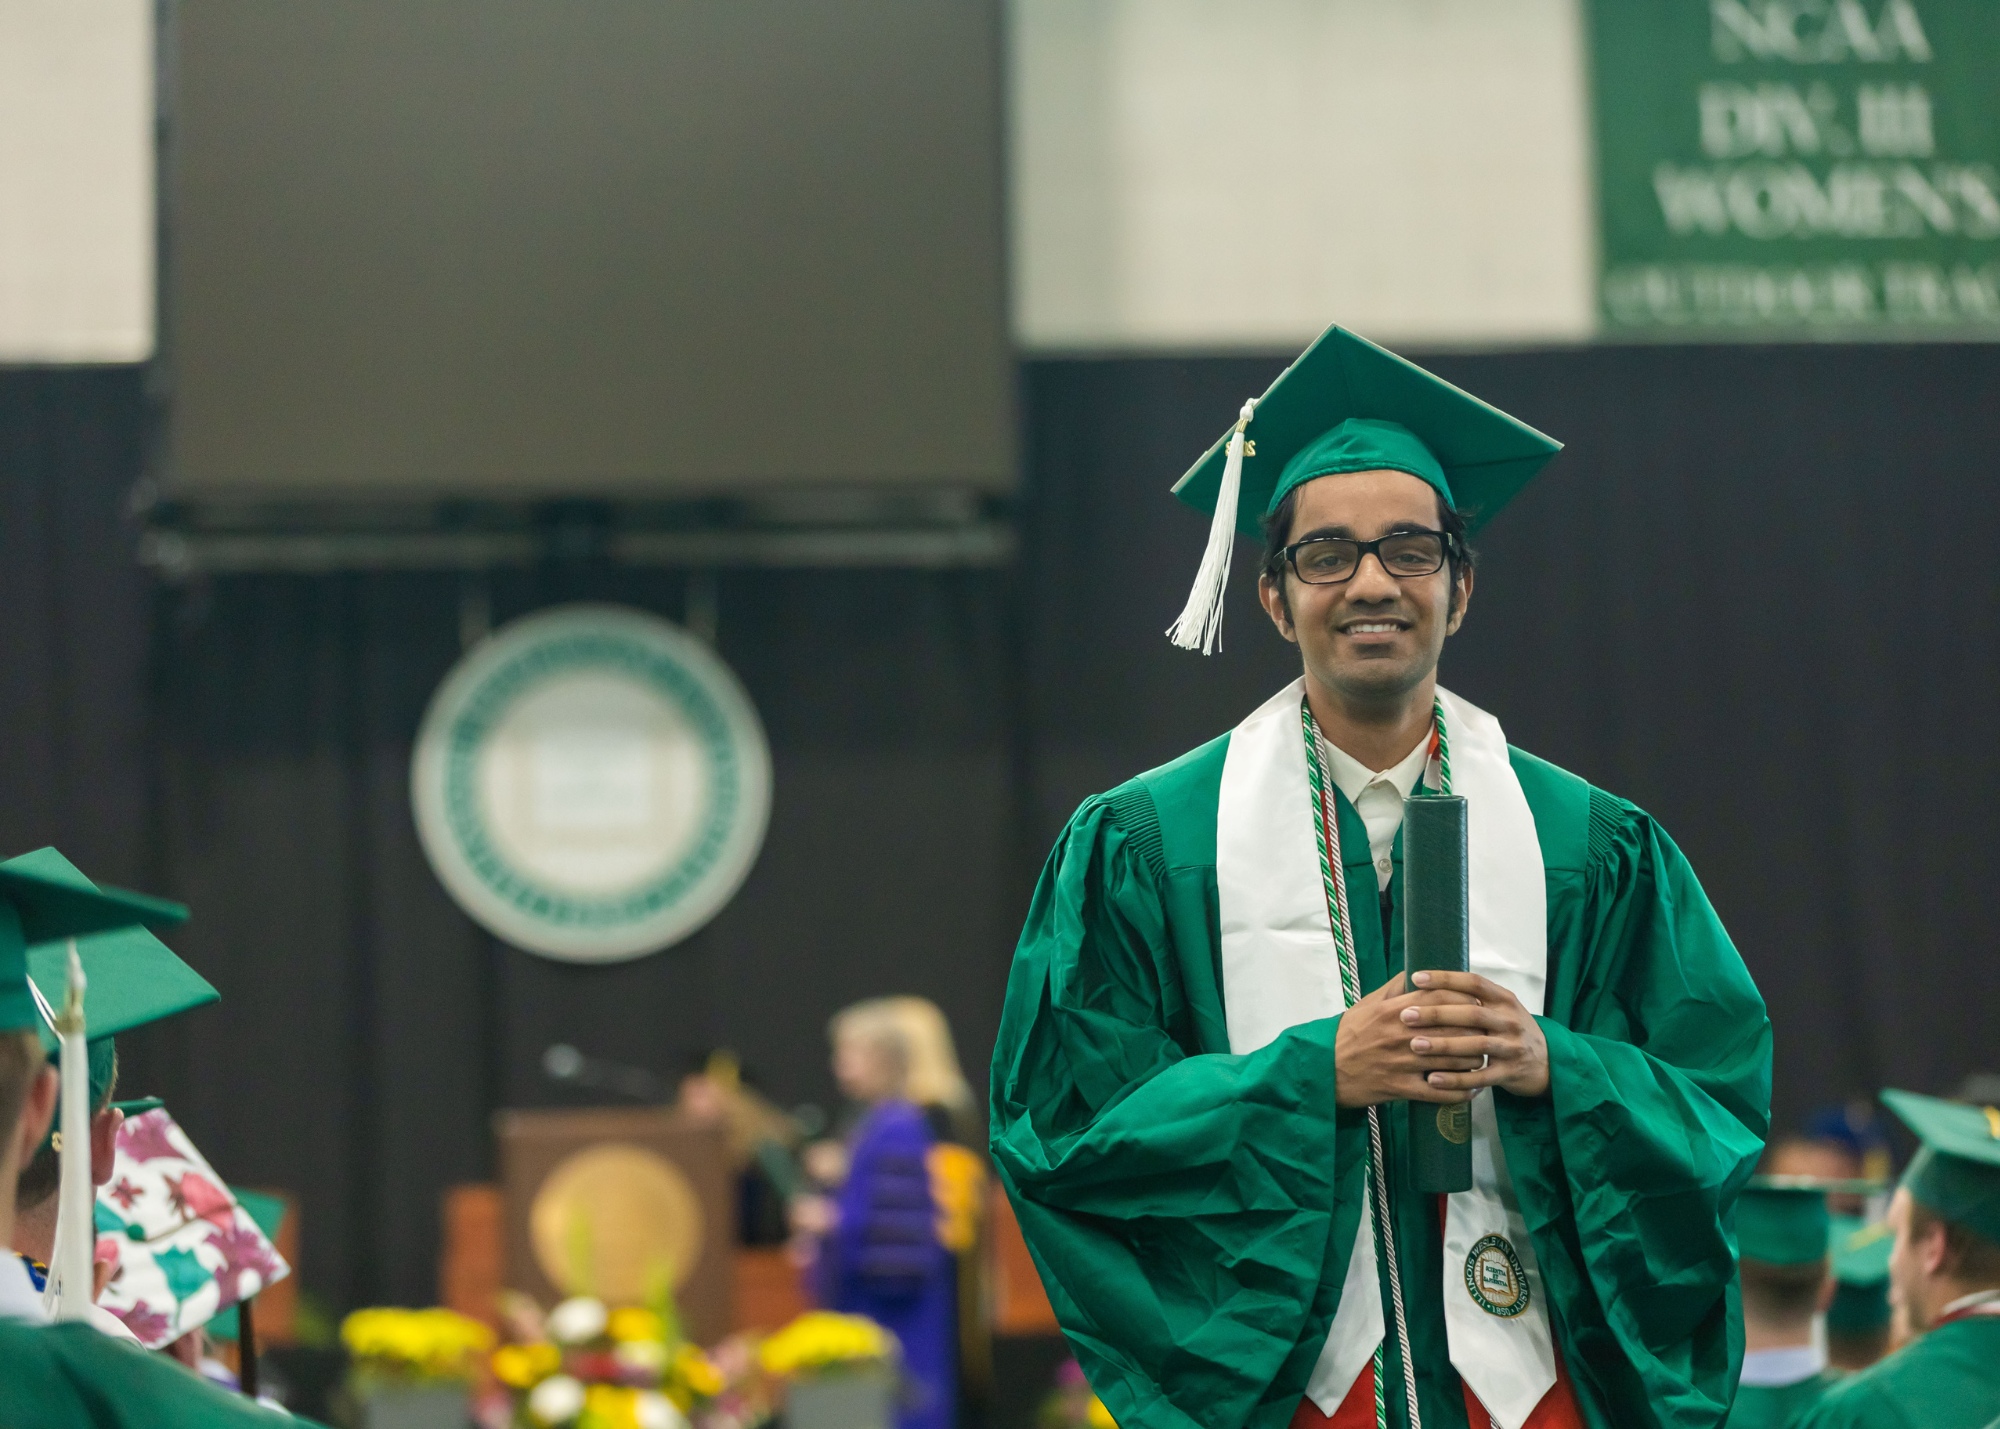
[1435, 939]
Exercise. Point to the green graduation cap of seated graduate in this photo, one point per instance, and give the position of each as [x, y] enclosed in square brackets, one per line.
[1956, 1172]
[1783, 1220]
[45, 902]
[134, 978]
[1219, 1237]
[61, 1376]
[1948, 1377]
[1782, 1223]
[1348, 405]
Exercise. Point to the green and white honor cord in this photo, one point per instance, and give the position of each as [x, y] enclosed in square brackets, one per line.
[1333, 875]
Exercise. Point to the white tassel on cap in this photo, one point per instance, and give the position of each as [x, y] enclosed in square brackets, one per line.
[70, 1289]
[1200, 624]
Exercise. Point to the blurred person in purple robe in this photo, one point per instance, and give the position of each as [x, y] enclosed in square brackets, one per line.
[875, 1244]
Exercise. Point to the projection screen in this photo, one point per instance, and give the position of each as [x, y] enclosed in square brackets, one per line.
[525, 249]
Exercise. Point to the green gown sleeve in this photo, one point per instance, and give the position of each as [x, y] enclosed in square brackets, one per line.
[1946, 1378]
[63, 1376]
[1777, 1407]
[1659, 1101]
[1181, 1204]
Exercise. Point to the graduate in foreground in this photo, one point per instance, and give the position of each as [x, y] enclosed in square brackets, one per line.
[134, 979]
[71, 1375]
[1209, 1068]
[1944, 1271]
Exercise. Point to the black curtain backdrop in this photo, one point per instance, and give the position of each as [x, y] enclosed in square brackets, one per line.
[1756, 596]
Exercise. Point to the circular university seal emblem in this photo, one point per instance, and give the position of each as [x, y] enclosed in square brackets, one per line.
[591, 783]
[1494, 1278]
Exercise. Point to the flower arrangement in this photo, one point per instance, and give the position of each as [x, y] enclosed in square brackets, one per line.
[394, 1347]
[584, 1365]
[820, 1341]
[587, 1366]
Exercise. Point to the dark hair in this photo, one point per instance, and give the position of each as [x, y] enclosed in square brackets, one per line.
[1969, 1257]
[1458, 553]
[1781, 1292]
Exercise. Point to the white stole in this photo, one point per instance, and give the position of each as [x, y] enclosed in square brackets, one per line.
[1279, 970]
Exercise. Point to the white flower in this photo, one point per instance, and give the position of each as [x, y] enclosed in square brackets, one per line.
[655, 1411]
[576, 1320]
[556, 1400]
[642, 1355]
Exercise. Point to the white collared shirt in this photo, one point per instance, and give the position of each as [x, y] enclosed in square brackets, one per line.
[1378, 797]
[19, 1299]
[1774, 1369]
[1979, 1302]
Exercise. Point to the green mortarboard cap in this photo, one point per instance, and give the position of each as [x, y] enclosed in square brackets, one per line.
[1861, 1276]
[1347, 405]
[43, 899]
[1782, 1220]
[1957, 1172]
[1860, 1250]
[134, 978]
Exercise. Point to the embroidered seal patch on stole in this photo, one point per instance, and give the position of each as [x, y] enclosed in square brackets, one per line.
[1494, 1278]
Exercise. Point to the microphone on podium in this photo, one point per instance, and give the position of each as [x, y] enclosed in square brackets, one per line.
[565, 1065]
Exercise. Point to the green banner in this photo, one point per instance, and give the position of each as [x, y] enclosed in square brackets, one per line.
[1798, 167]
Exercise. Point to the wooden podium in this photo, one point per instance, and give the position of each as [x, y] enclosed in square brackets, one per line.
[610, 1202]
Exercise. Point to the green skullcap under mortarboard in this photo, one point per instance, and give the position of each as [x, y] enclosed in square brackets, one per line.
[1782, 1220]
[44, 900]
[1957, 1173]
[1348, 405]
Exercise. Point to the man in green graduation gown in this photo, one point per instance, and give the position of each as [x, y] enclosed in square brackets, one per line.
[1944, 1271]
[1783, 1236]
[66, 1376]
[1206, 1072]
[1857, 1322]
[134, 980]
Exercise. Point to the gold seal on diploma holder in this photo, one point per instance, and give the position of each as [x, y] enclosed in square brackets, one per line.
[1455, 1122]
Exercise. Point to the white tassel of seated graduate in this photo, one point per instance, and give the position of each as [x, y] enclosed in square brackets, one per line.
[1200, 624]
[71, 1273]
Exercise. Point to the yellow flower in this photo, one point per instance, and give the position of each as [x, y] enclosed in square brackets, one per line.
[697, 1372]
[610, 1406]
[1098, 1416]
[642, 1357]
[433, 1342]
[633, 1323]
[521, 1366]
[820, 1338]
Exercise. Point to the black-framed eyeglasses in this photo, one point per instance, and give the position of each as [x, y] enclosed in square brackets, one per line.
[1329, 560]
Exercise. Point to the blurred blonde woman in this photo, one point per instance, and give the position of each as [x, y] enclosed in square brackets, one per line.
[883, 1238]
[958, 1174]
[934, 1081]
